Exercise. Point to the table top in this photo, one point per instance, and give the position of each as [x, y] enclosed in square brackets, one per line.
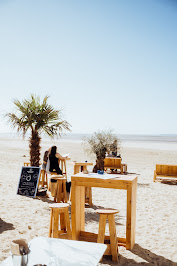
[105, 180]
[55, 252]
[65, 159]
[80, 164]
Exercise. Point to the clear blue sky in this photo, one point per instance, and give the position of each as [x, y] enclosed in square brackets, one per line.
[107, 63]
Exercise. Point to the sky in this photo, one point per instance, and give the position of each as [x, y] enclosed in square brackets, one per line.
[108, 64]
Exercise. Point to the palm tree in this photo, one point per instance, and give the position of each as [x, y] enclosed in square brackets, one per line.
[37, 117]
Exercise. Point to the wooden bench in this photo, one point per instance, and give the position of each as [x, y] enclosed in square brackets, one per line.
[114, 163]
[165, 170]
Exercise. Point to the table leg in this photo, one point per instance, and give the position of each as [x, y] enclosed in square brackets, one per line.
[77, 210]
[76, 169]
[131, 215]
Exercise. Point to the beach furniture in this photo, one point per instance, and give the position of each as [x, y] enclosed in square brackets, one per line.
[80, 167]
[26, 164]
[115, 163]
[115, 181]
[52, 251]
[113, 246]
[165, 170]
[43, 180]
[58, 189]
[59, 215]
[62, 164]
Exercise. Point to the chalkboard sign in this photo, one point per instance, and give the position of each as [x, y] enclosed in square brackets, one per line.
[28, 181]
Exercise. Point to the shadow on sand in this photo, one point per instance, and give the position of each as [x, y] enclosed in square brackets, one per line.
[169, 182]
[150, 258]
[5, 226]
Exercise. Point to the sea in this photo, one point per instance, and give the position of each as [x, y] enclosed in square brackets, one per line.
[157, 142]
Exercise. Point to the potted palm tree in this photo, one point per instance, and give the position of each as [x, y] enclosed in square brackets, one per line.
[99, 144]
[37, 117]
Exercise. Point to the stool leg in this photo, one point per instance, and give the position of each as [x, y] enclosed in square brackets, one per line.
[62, 222]
[68, 226]
[50, 225]
[113, 237]
[90, 196]
[55, 223]
[46, 179]
[101, 231]
[64, 192]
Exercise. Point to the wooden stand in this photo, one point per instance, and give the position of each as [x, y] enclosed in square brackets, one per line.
[43, 181]
[165, 170]
[59, 215]
[80, 167]
[26, 164]
[112, 248]
[115, 163]
[62, 164]
[61, 195]
[79, 182]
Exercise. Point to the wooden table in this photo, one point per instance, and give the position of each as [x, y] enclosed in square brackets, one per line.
[79, 167]
[80, 181]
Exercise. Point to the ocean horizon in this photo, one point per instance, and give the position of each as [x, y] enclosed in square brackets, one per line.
[159, 142]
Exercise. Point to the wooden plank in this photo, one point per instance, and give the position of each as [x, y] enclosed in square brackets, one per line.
[154, 176]
[108, 184]
[55, 223]
[131, 216]
[102, 225]
[68, 224]
[51, 224]
[77, 210]
[92, 237]
[113, 237]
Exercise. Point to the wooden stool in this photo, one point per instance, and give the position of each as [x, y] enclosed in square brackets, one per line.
[61, 194]
[59, 210]
[26, 164]
[43, 181]
[108, 214]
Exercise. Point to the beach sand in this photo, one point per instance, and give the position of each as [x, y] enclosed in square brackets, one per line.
[156, 222]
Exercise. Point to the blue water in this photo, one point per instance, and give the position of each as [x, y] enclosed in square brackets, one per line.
[162, 142]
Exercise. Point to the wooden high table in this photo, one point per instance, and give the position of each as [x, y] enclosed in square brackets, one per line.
[80, 181]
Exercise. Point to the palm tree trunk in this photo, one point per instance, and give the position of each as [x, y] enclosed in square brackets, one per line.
[34, 145]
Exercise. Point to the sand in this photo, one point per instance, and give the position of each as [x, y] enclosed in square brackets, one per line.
[156, 226]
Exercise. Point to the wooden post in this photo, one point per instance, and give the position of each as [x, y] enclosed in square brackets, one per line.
[113, 237]
[131, 215]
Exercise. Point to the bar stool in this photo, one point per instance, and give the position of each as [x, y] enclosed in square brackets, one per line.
[43, 181]
[104, 215]
[61, 194]
[59, 215]
[26, 164]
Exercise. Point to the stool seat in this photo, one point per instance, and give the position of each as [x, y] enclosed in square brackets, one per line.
[107, 211]
[58, 205]
[59, 216]
[54, 175]
[113, 246]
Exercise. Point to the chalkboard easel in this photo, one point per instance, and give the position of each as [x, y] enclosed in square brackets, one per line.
[28, 182]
